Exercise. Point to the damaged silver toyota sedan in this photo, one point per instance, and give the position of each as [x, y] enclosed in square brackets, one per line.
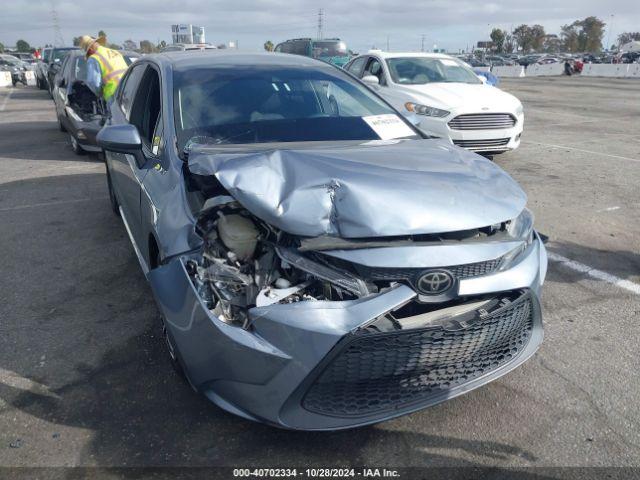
[319, 263]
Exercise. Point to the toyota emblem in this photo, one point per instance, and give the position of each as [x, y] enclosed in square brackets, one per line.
[434, 282]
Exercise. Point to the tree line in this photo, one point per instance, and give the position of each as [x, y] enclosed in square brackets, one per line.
[580, 36]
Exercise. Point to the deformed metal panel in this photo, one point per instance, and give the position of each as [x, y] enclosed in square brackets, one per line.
[380, 188]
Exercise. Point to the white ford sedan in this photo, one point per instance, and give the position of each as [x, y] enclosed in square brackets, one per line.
[448, 99]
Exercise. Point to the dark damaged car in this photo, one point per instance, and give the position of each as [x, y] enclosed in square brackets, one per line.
[318, 262]
[79, 111]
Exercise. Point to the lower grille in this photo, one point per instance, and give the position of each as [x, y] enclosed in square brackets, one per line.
[482, 144]
[375, 372]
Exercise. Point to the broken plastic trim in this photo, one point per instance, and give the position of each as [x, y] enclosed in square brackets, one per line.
[339, 278]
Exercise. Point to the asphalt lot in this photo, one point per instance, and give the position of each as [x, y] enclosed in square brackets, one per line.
[84, 379]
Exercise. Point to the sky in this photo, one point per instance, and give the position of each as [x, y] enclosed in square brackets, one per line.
[362, 24]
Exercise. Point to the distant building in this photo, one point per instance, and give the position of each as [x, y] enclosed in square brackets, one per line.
[187, 34]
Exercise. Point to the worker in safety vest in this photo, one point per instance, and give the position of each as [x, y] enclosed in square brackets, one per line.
[105, 66]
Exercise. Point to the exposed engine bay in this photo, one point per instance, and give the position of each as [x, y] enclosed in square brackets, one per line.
[247, 263]
[85, 103]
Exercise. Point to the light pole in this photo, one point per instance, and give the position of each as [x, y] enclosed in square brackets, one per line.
[608, 45]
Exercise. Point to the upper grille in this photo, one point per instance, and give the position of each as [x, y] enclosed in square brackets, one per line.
[409, 274]
[374, 372]
[482, 121]
[482, 144]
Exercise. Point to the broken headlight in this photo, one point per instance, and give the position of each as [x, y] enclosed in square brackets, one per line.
[520, 228]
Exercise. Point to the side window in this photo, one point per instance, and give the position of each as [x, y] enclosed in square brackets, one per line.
[285, 47]
[278, 48]
[374, 67]
[129, 87]
[299, 48]
[66, 66]
[356, 66]
[145, 111]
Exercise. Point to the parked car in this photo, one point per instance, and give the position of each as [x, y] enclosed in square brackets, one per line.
[590, 58]
[529, 59]
[497, 61]
[80, 113]
[55, 62]
[25, 57]
[446, 98]
[182, 47]
[42, 67]
[476, 63]
[17, 67]
[319, 263]
[330, 50]
[630, 57]
[547, 60]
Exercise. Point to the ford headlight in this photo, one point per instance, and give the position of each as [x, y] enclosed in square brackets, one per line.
[425, 110]
[519, 110]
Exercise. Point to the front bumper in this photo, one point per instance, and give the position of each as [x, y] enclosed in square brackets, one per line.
[483, 141]
[84, 131]
[310, 366]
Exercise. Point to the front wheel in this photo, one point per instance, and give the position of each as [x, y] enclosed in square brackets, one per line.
[60, 126]
[75, 146]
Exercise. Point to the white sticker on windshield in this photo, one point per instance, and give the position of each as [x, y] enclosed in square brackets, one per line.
[388, 126]
[449, 63]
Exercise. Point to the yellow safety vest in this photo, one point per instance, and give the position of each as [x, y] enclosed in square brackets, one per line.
[112, 67]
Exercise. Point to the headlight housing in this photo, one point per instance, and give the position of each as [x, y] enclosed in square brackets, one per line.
[425, 110]
[519, 110]
[520, 228]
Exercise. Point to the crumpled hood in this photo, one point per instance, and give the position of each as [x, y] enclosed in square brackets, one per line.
[366, 190]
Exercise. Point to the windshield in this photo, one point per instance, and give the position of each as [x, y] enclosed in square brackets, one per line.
[329, 49]
[279, 104]
[59, 54]
[422, 70]
[80, 69]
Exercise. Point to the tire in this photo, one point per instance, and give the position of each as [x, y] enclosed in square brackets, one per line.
[115, 206]
[75, 146]
[60, 126]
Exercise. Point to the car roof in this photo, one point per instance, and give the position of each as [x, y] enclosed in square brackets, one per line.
[211, 58]
[384, 54]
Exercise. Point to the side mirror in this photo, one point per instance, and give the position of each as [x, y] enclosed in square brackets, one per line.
[122, 139]
[371, 80]
[482, 78]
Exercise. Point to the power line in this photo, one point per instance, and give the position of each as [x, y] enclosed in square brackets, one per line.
[55, 23]
[320, 22]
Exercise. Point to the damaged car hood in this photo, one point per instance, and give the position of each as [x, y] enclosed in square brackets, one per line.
[373, 189]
